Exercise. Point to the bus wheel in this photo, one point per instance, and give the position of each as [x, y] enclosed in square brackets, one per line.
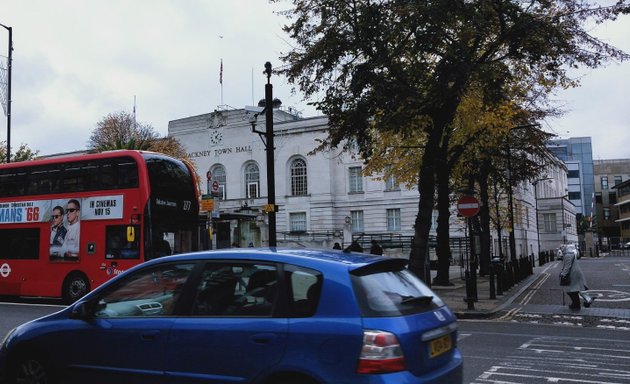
[75, 286]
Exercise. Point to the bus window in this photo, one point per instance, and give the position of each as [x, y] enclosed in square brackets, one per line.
[117, 246]
[19, 244]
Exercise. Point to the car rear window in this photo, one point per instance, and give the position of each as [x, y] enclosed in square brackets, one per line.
[389, 291]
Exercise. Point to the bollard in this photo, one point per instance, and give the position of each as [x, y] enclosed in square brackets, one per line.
[494, 263]
[500, 279]
[470, 300]
[510, 274]
[473, 278]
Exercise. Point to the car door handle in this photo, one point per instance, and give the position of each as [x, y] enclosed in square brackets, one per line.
[263, 338]
[149, 335]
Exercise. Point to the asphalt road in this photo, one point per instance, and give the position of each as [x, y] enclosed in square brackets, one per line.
[507, 352]
[608, 280]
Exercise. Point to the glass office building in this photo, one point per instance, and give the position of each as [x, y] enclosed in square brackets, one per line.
[577, 154]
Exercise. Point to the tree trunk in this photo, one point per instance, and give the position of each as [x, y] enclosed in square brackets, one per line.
[443, 227]
[484, 217]
[418, 262]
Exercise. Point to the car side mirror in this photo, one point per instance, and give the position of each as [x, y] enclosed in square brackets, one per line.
[85, 310]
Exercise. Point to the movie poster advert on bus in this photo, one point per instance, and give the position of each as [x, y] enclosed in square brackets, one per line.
[65, 216]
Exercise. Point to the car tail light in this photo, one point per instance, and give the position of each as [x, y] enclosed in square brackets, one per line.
[381, 353]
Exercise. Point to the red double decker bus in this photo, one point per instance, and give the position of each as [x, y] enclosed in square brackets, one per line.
[68, 224]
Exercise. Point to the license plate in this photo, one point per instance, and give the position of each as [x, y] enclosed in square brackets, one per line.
[440, 345]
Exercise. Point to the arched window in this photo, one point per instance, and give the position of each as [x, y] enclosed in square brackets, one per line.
[252, 181]
[299, 181]
[218, 175]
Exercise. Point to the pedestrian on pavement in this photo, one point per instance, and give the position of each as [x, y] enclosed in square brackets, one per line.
[577, 282]
[376, 249]
[337, 246]
[354, 247]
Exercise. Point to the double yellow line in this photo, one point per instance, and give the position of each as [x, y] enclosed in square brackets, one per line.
[525, 300]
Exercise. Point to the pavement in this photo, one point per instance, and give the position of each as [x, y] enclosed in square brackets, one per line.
[513, 299]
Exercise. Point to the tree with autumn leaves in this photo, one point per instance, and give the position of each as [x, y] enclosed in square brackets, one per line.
[404, 68]
[23, 153]
[121, 131]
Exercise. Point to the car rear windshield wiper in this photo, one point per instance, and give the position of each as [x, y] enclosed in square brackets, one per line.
[422, 300]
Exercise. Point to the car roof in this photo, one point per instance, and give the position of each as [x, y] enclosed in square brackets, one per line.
[302, 256]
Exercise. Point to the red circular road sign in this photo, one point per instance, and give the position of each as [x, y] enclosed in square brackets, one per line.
[468, 206]
[209, 175]
[215, 186]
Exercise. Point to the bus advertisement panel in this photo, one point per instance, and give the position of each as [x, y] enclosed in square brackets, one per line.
[57, 244]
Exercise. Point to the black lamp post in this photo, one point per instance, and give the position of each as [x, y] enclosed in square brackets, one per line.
[8, 110]
[271, 180]
[512, 239]
[267, 135]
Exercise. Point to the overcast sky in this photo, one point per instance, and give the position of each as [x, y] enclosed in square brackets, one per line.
[76, 61]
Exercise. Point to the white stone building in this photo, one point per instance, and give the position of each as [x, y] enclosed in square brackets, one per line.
[322, 196]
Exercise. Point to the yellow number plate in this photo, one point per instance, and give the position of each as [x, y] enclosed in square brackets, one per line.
[441, 345]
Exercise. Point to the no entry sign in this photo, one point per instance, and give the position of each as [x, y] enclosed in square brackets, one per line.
[468, 206]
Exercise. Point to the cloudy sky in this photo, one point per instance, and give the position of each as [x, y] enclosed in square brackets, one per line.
[75, 61]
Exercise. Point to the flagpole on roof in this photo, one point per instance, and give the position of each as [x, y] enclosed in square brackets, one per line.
[135, 124]
[221, 80]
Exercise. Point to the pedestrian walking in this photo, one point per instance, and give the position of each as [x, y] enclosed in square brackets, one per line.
[376, 249]
[572, 278]
[354, 247]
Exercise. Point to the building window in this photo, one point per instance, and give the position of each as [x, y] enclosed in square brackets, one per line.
[604, 182]
[357, 221]
[549, 220]
[617, 180]
[356, 180]
[297, 222]
[527, 217]
[393, 219]
[573, 174]
[606, 213]
[218, 175]
[518, 214]
[391, 184]
[575, 195]
[598, 197]
[252, 181]
[612, 198]
[299, 186]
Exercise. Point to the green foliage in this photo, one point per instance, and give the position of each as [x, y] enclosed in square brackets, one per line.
[404, 68]
[23, 153]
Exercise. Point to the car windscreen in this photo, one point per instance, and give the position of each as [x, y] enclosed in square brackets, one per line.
[388, 291]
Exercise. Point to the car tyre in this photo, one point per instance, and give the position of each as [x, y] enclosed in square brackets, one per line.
[75, 286]
[32, 370]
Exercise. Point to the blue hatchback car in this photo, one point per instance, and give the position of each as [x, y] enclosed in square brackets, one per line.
[282, 316]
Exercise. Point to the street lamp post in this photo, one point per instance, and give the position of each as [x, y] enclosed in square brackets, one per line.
[564, 227]
[512, 239]
[8, 101]
[271, 180]
[267, 137]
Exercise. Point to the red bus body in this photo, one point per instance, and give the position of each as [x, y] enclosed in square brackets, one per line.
[132, 206]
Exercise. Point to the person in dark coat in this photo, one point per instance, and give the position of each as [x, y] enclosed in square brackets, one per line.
[376, 249]
[354, 247]
[337, 246]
